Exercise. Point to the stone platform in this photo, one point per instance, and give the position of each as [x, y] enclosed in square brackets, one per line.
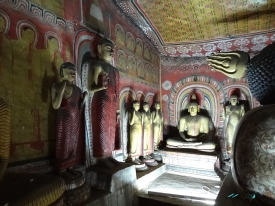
[189, 161]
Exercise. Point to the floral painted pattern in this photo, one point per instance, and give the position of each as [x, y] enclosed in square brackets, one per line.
[166, 85]
[254, 153]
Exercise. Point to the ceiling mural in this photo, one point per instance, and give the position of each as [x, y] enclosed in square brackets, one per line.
[185, 28]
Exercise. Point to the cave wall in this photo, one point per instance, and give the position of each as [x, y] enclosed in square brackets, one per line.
[36, 37]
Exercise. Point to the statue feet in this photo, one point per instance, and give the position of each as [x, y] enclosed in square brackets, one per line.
[107, 162]
[148, 157]
[156, 156]
[73, 178]
[149, 161]
[137, 161]
[139, 165]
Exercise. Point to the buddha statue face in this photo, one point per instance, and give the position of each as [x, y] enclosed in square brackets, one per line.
[193, 109]
[146, 107]
[157, 105]
[68, 72]
[106, 52]
[2, 24]
[233, 100]
[136, 105]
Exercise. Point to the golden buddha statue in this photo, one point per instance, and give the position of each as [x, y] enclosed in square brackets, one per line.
[135, 122]
[147, 131]
[232, 114]
[157, 118]
[196, 131]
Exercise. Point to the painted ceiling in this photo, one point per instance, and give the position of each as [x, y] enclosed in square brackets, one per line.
[178, 24]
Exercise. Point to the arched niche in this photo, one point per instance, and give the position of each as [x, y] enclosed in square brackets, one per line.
[211, 89]
[242, 85]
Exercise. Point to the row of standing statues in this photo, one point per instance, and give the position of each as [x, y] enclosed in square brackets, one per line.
[145, 129]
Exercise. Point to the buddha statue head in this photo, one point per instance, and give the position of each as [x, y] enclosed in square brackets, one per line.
[234, 100]
[136, 105]
[146, 106]
[105, 50]
[68, 71]
[157, 105]
[193, 108]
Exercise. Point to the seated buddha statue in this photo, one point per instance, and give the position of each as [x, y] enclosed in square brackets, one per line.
[195, 130]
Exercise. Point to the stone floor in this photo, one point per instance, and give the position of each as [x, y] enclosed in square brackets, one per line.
[171, 188]
[178, 185]
[161, 187]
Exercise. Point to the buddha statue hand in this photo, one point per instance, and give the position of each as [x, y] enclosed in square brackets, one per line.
[188, 139]
[232, 64]
[84, 97]
[61, 89]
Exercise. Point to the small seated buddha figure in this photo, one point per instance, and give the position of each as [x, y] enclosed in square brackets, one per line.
[196, 131]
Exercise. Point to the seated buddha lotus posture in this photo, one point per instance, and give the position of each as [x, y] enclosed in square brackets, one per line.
[195, 130]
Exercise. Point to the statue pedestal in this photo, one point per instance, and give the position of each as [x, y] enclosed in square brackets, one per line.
[111, 186]
[189, 161]
[111, 179]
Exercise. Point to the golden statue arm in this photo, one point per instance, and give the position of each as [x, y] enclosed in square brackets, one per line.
[57, 94]
[242, 110]
[132, 117]
[155, 116]
[232, 64]
[98, 70]
[182, 128]
[142, 117]
[223, 112]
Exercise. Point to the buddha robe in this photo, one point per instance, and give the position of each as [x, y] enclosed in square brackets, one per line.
[104, 107]
[67, 130]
